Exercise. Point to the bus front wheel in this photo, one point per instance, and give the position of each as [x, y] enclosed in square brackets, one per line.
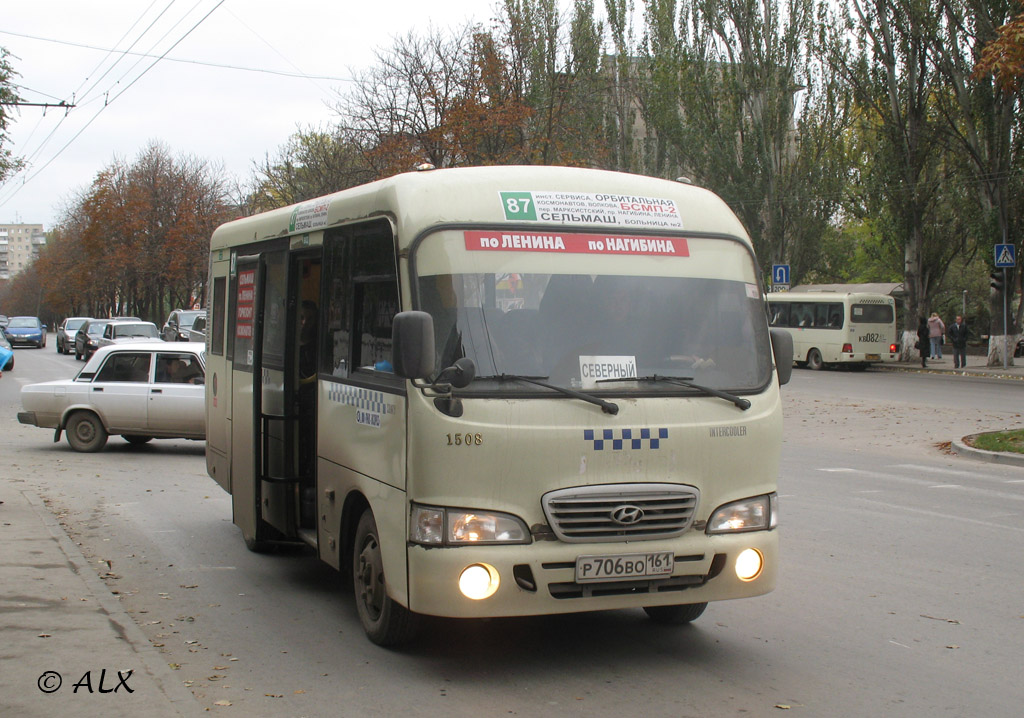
[675, 615]
[386, 622]
[814, 360]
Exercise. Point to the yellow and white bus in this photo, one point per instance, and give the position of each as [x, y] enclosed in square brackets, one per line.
[501, 391]
[854, 329]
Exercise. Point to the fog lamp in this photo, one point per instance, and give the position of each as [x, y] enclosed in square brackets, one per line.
[478, 581]
[749, 564]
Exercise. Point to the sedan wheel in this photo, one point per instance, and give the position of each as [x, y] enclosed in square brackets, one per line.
[136, 440]
[86, 432]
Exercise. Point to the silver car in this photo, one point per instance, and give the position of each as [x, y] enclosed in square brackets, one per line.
[140, 391]
[124, 331]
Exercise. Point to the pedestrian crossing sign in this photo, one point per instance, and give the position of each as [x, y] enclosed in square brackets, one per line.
[1005, 256]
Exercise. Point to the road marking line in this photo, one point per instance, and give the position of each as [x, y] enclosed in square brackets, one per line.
[946, 486]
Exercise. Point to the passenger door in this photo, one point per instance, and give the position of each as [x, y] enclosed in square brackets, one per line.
[120, 392]
[176, 399]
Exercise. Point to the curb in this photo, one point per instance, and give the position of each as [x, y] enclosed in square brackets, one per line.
[995, 457]
[180, 700]
[987, 374]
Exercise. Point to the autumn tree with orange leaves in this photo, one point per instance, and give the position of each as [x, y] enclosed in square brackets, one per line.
[1003, 58]
[136, 241]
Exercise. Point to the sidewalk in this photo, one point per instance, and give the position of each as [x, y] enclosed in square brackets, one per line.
[975, 367]
[62, 626]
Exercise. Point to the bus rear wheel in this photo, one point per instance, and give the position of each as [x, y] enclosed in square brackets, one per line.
[675, 615]
[814, 360]
[386, 622]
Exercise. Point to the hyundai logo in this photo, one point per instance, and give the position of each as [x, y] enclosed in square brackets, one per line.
[627, 514]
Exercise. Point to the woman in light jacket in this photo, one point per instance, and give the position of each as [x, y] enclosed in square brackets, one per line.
[936, 330]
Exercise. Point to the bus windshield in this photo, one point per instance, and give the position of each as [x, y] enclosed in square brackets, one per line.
[577, 329]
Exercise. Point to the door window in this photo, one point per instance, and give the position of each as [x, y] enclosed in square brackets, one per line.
[361, 299]
[124, 367]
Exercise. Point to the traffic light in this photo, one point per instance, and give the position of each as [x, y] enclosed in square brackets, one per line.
[996, 282]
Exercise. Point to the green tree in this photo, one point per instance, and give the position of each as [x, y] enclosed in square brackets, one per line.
[982, 121]
[9, 164]
[736, 94]
[311, 164]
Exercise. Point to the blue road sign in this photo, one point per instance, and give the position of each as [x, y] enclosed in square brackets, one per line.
[1005, 255]
[780, 274]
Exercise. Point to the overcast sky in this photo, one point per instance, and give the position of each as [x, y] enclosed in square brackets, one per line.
[215, 113]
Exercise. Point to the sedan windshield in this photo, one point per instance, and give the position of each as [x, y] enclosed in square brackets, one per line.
[24, 323]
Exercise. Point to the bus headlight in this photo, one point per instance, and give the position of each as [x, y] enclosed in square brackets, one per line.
[478, 581]
[755, 514]
[436, 526]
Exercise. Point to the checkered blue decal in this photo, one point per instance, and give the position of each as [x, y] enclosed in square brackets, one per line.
[363, 399]
[634, 437]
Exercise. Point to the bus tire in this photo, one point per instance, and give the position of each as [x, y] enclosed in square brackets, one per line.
[85, 432]
[814, 360]
[257, 545]
[675, 615]
[386, 622]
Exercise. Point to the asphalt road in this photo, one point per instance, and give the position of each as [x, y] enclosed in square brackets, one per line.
[899, 595]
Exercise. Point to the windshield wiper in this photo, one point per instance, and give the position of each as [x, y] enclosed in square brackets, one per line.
[606, 406]
[687, 382]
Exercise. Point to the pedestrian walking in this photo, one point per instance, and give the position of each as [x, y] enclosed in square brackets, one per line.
[958, 338]
[936, 330]
[923, 339]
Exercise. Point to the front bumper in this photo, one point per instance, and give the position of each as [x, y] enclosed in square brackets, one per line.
[539, 578]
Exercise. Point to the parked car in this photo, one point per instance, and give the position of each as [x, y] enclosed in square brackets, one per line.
[26, 330]
[6, 345]
[88, 336]
[140, 391]
[178, 327]
[122, 331]
[3, 320]
[66, 334]
[1020, 348]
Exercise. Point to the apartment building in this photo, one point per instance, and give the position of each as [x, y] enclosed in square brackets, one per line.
[19, 246]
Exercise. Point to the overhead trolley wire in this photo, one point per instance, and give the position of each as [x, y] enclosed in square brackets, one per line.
[108, 102]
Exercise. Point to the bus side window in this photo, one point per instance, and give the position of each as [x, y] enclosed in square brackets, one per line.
[821, 315]
[835, 316]
[361, 298]
[779, 314]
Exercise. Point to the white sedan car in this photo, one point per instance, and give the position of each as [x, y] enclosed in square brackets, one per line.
[140, 391]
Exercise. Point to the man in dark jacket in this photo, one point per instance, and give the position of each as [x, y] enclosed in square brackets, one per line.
[923, 341]
[957, 334]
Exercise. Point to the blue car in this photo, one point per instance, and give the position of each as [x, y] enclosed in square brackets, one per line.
[26, 330]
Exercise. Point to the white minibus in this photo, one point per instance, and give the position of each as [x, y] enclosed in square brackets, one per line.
[501, 391]
[853, 329]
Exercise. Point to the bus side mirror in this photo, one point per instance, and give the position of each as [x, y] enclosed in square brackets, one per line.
[782, 349]
[412, 345]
